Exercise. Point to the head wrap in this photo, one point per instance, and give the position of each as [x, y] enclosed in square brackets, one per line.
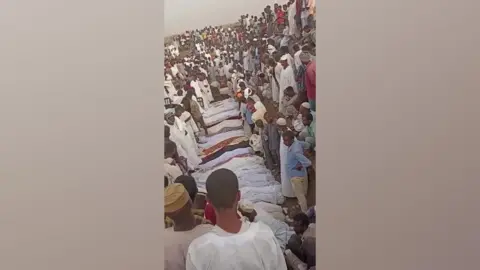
[176, 197]
[281, 122]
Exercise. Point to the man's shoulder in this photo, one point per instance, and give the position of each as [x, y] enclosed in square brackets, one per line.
[263, 230]
[203, 238]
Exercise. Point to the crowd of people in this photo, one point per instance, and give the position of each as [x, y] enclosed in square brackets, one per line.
[239, 137]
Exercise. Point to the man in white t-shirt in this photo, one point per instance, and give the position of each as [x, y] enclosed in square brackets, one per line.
[233, 244]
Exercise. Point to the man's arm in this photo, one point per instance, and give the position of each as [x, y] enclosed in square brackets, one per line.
[303, 160]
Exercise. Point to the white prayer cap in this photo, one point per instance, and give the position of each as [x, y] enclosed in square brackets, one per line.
[246, 206]
[281, 122]
[284, 58]
[229, 29]
[306, 105]
[255, 39]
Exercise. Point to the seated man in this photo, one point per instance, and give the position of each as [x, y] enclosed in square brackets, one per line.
[302, 243]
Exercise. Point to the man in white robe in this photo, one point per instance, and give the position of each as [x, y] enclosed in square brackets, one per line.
[287, 78]
[287, 188]
[276, 89]
[292, 12]
[205, 87]
[247, 61]
[199, 93]
[226, 68]
[183, 140]
[296, 56]
[183, 126]
[233, 244]
[170, 90]
[180, 150]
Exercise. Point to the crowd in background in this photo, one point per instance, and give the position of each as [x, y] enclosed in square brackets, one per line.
[263, 70]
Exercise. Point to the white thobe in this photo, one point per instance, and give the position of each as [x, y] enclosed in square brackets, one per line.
[287, 78]
[290, 61]
[200, 93]
[182, 126]
[171, 171]
[205, 87]
[203, 71]
[296, 59]
[171, 91]
[187, 118]
[254, 247]
[287, 189]
[174, 70]
[184, 146]
[170, 87]
[276, 90]
[226, 69]
[292, 11]
[247, 59]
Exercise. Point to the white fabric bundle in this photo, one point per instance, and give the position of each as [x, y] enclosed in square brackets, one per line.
[256, 182]
[217, 118]
[232, 123]
[225, 157]
[219, 107]
[215, 139]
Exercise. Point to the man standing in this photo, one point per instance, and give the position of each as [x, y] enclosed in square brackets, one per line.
[296, 56]
[287, 78]
[187, 226]
[297, 165]
[233, 244]
[310, 79]
[205, 88]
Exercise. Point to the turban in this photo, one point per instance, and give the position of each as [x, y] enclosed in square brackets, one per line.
[176, 197]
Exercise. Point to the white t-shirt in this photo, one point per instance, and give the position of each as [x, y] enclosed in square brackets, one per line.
[254, 248]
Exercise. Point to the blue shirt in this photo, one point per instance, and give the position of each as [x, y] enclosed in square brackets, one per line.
[248, 113]
[295, 156]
